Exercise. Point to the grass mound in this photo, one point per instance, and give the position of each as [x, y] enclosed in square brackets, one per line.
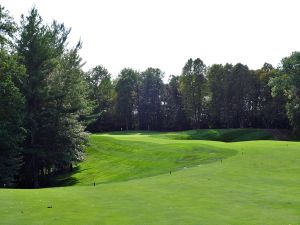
[225, 135]
[112, 158]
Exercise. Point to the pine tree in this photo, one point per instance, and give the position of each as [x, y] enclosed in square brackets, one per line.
[55, 92]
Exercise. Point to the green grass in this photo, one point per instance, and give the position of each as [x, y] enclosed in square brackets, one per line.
[113, 158]
[258, 182]
[224, 135]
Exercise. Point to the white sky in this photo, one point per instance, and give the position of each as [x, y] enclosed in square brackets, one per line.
[165, 33]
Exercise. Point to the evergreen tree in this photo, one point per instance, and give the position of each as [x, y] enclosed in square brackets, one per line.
[67, 102]
[55, 92]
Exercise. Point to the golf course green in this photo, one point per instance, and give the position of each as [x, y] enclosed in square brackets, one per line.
[201, 177]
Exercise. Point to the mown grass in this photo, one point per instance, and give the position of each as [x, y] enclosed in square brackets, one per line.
[257, 182]
[124, 157]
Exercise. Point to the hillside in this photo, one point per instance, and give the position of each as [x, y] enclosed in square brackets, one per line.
[119, 156]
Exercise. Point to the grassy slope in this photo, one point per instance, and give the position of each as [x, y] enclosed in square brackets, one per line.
[258, 185]
[123, 157]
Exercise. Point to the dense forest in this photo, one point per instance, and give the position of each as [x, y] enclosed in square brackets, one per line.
[48, 103]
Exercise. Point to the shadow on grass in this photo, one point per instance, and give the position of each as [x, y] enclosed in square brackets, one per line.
[223, 135]
[133, 132]
[65, 178]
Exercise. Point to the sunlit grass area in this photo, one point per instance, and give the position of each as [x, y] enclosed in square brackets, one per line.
[211, 182]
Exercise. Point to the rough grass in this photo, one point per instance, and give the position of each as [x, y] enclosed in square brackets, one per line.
[224, 135]
[257, 182]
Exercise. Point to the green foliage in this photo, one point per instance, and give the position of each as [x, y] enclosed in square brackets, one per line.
[174, 115]
[101, 88]
[55, 90]
[217, 85]
[241, 98]
[271, 112]
[11, 104]
[192, 86]
[101, 94]
[7, 27]
[288, 85]
[127, 98]
[68, 91]
[11, 118]
[150, 99]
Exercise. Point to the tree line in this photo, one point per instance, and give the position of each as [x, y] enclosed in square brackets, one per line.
[218, 96]
[47, 101]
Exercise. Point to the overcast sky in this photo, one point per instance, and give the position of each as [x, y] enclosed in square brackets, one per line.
[165, 33]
